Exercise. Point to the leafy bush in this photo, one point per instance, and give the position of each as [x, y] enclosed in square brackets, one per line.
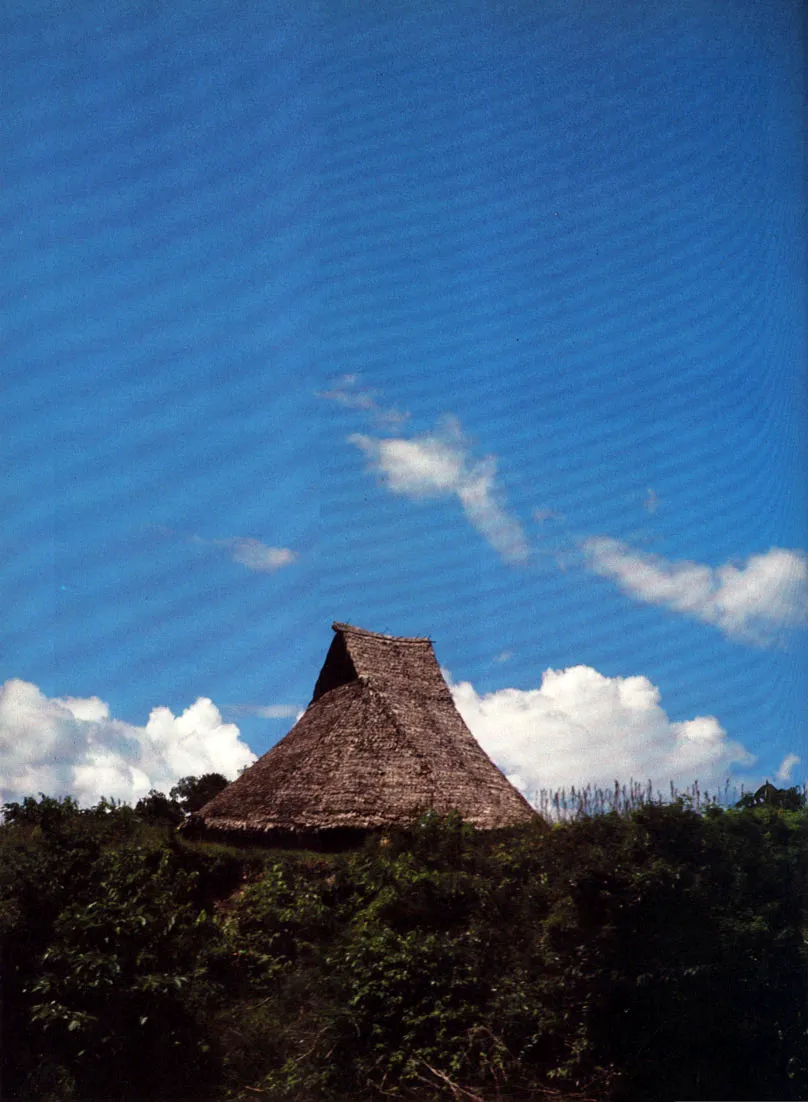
[655, 954]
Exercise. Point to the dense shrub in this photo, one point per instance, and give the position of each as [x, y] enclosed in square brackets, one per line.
[652, 954]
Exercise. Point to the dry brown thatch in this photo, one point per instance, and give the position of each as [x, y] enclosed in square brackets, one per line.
[380, 743]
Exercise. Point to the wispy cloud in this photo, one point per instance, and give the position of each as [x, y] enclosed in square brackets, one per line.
[754, 601]
[541, 516]
[249, 552]
[787, 767]
[349, 392]
[651, 502]
[72, 746]
[264, 711]
[438, 465]
[581, 727]
[256, 555]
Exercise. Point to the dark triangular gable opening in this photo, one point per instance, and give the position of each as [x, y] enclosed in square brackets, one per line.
[338, 669]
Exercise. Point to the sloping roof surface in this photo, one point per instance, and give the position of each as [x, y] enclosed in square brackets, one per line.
[380, 743]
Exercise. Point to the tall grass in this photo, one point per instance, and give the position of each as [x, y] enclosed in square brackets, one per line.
[564, 804]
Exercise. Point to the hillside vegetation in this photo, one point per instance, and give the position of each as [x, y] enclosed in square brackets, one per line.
[653, 954]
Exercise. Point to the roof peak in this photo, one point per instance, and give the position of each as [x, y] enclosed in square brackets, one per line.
[349, 629]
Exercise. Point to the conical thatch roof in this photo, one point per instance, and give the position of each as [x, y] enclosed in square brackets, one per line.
[380, 743]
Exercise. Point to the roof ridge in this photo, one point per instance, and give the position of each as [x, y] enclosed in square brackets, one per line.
[387, 707]
[351, 630]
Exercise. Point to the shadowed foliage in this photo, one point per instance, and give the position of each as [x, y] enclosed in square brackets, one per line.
[653, 955]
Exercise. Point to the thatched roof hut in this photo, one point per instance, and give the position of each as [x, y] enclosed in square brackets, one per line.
[380, 743]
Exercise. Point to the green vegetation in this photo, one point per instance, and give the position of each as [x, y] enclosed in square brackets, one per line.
[649, 954]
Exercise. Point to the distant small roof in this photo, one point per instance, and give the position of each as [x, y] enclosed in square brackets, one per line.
[380, 743]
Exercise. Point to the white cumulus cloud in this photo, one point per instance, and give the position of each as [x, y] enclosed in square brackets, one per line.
[753, 601]
[72, 746]
[581, 727]
[440, 465]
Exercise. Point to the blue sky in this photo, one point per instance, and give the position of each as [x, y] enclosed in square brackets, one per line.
[478, 321]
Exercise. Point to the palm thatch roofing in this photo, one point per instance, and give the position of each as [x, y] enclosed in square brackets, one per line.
[380, 743]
